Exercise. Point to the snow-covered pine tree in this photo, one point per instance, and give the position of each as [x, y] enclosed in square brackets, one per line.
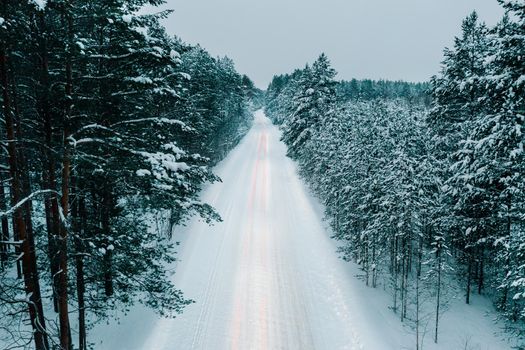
[457, 93]
[496, 147]
[313, 99]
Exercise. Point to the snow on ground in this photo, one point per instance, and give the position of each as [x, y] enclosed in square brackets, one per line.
[268, 276]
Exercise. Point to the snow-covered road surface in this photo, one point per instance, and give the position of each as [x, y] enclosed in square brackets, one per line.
[268, 276]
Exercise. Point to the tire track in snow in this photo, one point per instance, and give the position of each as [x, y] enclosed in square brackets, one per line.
[204, 319]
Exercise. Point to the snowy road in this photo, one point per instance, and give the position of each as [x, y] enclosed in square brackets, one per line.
[267, 277]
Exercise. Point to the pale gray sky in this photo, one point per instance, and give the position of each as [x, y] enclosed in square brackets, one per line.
[391, 39]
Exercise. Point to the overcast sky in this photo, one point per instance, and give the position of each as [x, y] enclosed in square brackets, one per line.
[391, 39]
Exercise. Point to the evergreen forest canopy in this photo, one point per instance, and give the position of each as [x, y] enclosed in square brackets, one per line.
[109, 125]
[423, 183]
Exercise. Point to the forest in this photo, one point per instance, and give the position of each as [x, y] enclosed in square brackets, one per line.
[112, 128]
[423, 184]
[108, 124]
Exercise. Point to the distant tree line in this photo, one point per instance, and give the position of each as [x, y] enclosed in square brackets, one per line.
[364, 90]
[107, 123]
[425, 198]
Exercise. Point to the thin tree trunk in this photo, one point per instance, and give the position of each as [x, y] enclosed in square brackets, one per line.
[65, 334]
[48, 164]
[469, 276]
[396, 270]
[438, 286]
[481, 273]
[403, 286]
[505, 294]
[108, 273]
[418, 276]
[5, 226]
[367, 260]
[78, 213]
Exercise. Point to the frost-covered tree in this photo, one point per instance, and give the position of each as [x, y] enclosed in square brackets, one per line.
[457, 93]
[313, 99]
[477, 119]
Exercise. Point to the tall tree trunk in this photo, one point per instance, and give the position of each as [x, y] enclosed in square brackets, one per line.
[25, 182]
[29, 271]
[65, 334]
[48, 164]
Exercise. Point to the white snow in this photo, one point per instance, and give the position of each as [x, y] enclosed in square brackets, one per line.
[160, 50]
[174, 54]
[176, 166]
[186, 76]
[127, 18]
[1, 21]
[518, 83]
[41, 4]
[173, 148]
[143, 172]
[140, 80]
[268, 276]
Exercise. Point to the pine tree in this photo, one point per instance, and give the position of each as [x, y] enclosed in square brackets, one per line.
[313, 100]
